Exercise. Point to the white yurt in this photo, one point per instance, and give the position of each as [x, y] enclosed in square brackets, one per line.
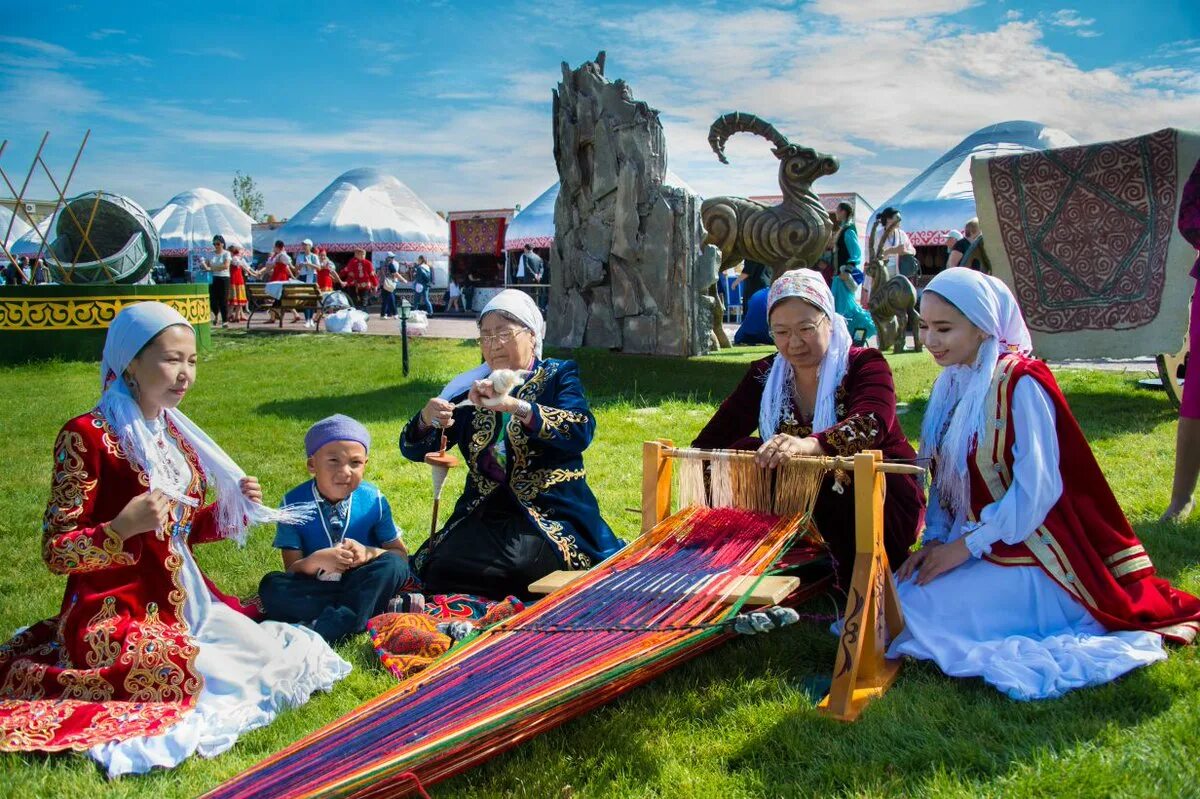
[12, 226]
[371, 209]
[187, 223]
[941, 199]
[30, 243]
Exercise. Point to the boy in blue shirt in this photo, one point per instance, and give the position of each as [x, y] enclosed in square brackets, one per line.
[342, 567]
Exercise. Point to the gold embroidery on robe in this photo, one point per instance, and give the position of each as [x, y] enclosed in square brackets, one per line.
[154, 676]
[103, 651]
[557, 420]
[24, 680]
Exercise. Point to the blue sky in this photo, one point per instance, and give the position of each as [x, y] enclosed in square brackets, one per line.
[454, 98]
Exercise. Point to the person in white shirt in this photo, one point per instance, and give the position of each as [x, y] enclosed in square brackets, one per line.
[896, 245]
[307, 264]
[218, 289]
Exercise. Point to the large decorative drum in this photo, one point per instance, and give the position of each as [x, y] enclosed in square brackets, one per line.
[103, 238]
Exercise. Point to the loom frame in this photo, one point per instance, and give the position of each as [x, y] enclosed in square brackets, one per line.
[872, 617]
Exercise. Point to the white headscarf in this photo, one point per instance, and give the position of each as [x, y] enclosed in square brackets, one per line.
[809, 286]
[131, 330]
[521, 307]
[959, 396]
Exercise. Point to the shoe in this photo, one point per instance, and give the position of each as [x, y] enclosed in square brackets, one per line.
[309, 324]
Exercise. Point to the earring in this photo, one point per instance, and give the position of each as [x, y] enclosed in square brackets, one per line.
[131, 384]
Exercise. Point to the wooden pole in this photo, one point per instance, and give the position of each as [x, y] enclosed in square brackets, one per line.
[656, 483]
[861, 672]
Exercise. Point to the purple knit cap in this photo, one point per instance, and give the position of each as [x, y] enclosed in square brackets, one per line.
[338, 427]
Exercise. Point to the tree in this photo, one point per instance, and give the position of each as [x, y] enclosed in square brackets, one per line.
[247, 195]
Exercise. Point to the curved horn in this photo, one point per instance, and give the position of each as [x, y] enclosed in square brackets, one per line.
[872, 253]
[737, 122]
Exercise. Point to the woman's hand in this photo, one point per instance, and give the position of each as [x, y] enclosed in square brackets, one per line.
[251, 490]
[438, 413]
[780, 447]
[909, 567]
[142, 514]
[484, 395]
[942, 559]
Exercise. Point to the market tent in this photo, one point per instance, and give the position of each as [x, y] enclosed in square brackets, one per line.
[941, 199]
[188, 222]
[19, 227]
[534, 225]
[369, 209]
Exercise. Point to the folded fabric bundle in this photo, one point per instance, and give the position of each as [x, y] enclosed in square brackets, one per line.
[408, 642]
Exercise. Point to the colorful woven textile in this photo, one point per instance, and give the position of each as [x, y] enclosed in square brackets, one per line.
[409, 642]
[661, 600]
[1085, 237]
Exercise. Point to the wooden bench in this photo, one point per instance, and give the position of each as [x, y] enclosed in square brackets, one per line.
[294, 297]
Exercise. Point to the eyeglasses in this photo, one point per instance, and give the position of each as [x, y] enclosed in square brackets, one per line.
[502, 338]
[806, 332]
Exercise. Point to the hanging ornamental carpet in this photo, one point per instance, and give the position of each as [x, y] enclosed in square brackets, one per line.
[478, 236]
[1086, 238]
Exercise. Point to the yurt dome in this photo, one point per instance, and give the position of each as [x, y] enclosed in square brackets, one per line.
[30, 243]
[941, 198]
[188, 222]
[12, 226]
[369, 209]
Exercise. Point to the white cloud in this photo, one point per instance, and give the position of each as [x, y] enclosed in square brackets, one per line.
[104, 33]
[1073, 21]
[38, 46]
[868, 10]
[925, 86]
[211, 52]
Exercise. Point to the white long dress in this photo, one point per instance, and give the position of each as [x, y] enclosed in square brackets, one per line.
[251, 672]
[1013, 625]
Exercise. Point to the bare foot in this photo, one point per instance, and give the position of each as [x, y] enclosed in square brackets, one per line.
[1177, 514]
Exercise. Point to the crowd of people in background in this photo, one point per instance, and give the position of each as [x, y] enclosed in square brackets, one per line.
[26, 272]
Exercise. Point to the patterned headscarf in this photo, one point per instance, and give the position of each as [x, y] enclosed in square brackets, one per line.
[809, 286]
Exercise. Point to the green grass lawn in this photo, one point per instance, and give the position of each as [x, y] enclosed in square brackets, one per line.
[739, 722]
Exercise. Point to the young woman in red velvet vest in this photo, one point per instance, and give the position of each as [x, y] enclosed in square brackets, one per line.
[1029, 575]
[147, 661]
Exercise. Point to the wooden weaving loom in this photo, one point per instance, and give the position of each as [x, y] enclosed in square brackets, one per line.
[671, 594]
[872, 617]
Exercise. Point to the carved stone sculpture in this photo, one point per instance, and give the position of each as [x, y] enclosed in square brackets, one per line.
[787, 236]
[627, 268]
[893, 303]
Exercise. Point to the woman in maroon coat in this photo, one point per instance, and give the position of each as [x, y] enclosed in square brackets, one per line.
[818, 395]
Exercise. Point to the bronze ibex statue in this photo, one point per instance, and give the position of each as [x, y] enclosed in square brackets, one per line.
[893, 303]
[787, 236]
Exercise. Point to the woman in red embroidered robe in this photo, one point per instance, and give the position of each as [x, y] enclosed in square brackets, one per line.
[1030, 576]
[821, 396]
[148, 661]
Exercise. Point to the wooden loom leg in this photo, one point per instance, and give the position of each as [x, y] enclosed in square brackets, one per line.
[656, 483]
[861, 672]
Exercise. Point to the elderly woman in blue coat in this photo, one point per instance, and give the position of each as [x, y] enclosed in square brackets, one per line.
[526, 509]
